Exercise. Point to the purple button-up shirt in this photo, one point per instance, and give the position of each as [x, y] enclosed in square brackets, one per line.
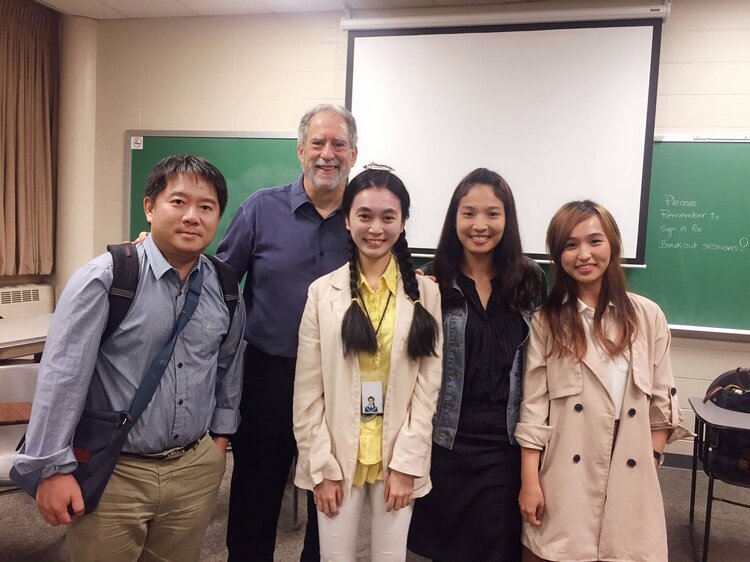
[281, 242]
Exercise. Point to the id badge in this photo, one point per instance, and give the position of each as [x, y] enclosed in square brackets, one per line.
[372, 398]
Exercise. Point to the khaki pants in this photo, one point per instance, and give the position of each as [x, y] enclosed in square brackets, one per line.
[152, 510]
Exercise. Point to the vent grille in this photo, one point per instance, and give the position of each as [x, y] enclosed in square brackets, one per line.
[15, 296]
[19, 301]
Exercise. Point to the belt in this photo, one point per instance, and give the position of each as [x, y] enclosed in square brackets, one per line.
[169, 454]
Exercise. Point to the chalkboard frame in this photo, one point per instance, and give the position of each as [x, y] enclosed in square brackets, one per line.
[716, 333]
[680, 330]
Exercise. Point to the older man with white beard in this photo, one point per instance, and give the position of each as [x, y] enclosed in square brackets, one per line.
[283, 238]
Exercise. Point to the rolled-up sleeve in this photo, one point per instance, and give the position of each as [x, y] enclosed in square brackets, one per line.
[533, 430]
[65, 373]
[665, 412]
[226, 416]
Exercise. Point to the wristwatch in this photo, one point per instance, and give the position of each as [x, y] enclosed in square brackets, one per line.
[659, 457]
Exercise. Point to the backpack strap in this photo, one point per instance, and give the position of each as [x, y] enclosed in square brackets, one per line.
[228, 282]
[124, 284]
[125, 274]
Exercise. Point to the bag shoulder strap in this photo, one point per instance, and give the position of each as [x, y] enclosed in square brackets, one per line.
[228, 282]
[125, 274]
[153, 375]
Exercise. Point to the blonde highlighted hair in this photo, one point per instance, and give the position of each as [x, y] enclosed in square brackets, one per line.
[560, 311]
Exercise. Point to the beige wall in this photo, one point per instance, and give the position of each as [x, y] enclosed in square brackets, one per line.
[704, 75]
[223, 73]
[262, 73]
[75, 178]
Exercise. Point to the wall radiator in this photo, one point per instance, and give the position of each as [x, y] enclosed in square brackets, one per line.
[19, 301]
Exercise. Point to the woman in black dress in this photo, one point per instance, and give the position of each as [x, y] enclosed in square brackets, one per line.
[489, 290]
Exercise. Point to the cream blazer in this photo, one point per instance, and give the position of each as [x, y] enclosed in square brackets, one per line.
[602, 498]
[327, 390]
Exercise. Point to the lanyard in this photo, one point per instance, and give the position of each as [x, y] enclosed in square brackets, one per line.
[382, 316]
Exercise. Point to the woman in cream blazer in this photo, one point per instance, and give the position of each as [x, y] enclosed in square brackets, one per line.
[328, 409]
[598, 416]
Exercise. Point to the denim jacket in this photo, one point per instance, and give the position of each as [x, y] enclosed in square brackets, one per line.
[445, 421]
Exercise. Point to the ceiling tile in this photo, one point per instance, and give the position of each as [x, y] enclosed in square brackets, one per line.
[226, 7]
[113, 9]
[150, 8]
[479, 2]
[389, 4]
[87, 8]
[304, 5]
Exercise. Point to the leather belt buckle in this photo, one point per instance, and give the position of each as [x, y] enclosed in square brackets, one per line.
[171, 454]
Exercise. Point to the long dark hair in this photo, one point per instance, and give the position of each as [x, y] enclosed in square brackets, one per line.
[560, 311]
[519, 281]
[357, 333]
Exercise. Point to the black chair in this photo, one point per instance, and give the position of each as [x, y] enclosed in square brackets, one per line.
[719, 437]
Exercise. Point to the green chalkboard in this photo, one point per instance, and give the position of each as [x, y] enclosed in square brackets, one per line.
[697, 243]
[698, 236]
[248, 164]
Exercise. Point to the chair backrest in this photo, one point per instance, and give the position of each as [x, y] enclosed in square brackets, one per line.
[17, 384]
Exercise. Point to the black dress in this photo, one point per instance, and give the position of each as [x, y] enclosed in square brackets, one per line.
[471, 514]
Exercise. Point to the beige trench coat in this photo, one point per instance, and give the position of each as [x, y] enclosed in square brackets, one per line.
[601, 503]
[327, 390]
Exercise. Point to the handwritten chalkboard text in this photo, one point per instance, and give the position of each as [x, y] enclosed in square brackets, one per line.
[740, 246]
[671, 200]
[692, 215]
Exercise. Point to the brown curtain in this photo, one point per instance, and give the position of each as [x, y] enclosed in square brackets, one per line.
[29, 45]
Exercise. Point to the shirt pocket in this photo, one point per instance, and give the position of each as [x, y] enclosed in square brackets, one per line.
[212, 329]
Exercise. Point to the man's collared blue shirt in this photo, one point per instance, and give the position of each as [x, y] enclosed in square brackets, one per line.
[200, 389]
[281, 242]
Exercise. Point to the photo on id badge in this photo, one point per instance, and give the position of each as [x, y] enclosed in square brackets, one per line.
[372, 397]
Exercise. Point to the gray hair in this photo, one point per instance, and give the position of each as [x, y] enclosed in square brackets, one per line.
[304, 123]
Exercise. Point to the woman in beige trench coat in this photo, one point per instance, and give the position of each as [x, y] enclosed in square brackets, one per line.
[599, 405]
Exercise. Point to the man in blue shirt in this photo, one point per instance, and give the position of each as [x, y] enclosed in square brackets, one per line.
[283, 238]
[162, 493]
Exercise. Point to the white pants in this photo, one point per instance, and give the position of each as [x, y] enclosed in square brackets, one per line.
[338, 535]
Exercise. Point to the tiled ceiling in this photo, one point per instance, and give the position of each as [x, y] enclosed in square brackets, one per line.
[121, 9]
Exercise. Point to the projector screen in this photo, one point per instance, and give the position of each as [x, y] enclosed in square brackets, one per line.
[561, 111]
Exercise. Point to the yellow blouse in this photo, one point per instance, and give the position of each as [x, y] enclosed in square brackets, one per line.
[375, 367]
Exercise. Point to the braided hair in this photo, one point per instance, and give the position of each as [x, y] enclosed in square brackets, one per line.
[357, 333]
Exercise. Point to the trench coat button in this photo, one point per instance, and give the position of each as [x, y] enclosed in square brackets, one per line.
[673, 391]
[576, 458]
[631, 463]
[578, 407]
[631, 412]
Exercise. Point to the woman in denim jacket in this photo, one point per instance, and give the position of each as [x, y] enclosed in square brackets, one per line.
[489, 291]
